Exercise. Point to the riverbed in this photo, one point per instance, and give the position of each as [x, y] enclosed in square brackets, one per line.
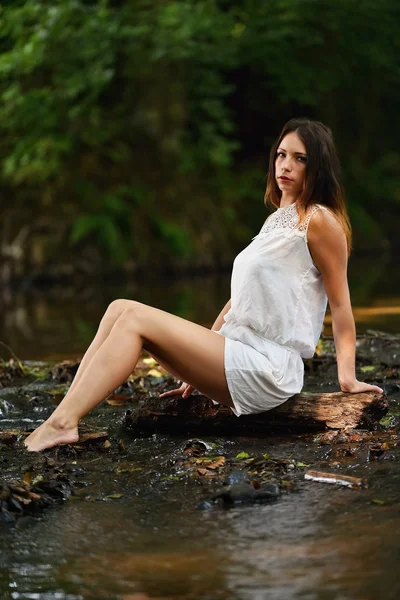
[135, 526]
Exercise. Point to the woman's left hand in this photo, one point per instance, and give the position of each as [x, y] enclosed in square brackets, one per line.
[359, 386]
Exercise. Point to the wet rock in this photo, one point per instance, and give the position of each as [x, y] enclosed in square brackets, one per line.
[9, 438]
[269, 491]
[196, 448]
[65, 371]
[238, 493]
[14, 505]
[6, 407]
[243, 493]
[6, 518]
[24, 522]
[391, 388]
[9, 371]
[76, 471]
[205, 505]
[19, 498]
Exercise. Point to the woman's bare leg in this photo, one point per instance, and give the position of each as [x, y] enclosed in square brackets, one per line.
[113, 312]
[194, 353]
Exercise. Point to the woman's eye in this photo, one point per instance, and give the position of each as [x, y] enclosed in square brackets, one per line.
[302, 159]
[281, 154]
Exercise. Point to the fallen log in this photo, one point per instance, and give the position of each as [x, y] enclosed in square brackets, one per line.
[303, 412]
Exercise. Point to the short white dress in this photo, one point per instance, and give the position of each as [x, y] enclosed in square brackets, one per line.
[278, 304]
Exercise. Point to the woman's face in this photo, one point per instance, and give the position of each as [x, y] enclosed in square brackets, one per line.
[291, 164]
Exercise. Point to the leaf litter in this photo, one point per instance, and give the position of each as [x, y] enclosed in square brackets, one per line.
[200, 461]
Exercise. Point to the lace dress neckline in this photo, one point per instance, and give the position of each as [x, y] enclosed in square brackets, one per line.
[291, 207]
[287, 218]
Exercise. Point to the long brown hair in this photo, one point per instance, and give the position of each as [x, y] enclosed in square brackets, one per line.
[323, 173]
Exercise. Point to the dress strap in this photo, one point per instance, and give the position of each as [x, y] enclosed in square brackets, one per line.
[304, 226]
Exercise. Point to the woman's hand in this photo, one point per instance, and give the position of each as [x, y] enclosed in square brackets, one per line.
[359, 386]
[184, 390]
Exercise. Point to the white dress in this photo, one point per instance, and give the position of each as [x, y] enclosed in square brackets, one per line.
[278, 304]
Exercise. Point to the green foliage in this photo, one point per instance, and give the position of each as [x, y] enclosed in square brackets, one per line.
[107, 221]
[175, 236]
[135, 125]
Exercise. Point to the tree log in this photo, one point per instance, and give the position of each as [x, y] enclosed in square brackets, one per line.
[303, 412]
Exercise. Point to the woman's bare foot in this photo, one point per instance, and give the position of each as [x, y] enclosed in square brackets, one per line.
[51, 433]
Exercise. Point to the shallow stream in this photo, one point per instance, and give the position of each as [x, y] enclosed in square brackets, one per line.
[132, 529]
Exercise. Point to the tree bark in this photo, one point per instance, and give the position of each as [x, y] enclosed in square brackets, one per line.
[303, 412]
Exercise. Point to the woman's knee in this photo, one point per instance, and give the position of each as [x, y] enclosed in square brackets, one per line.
[116, 308]
[130, 317]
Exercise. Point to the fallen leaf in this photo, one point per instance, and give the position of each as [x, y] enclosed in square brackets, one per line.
[368, 369]
[242, 455]
[117, 400]
[155, 373]
[217, 463]
[27, 477]
[95, 436]
[38, 479]
[205, 472]
[22, 500]
[114, 496]
[34, 496]
[202, 471]
[149, 361]
[126, 467]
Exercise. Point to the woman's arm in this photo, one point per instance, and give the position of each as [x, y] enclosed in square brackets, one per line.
[327, 244]
[219, 321]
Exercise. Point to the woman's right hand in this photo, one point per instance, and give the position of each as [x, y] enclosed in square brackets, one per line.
[184, 390]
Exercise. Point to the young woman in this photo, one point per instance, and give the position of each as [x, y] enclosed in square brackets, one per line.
[251, 360]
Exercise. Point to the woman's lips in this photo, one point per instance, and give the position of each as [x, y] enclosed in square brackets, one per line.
[285, 179]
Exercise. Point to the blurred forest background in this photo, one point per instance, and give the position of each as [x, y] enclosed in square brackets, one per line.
[136, 133]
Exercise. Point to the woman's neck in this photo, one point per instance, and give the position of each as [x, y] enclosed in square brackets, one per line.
[287, 199]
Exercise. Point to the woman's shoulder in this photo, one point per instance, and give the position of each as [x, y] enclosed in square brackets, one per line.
[324, 222]
[325, 215]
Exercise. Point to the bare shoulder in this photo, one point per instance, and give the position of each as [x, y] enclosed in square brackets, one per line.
[325, 226]
[327, 243]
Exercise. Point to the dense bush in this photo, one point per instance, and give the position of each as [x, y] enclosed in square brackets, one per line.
[137, 129]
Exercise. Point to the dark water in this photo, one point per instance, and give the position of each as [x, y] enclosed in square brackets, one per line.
[60, 322]
[321, 542]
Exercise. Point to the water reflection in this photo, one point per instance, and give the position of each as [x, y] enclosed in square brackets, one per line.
[304, 546]
[59, 322]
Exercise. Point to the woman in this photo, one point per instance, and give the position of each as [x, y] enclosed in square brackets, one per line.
[251, 360]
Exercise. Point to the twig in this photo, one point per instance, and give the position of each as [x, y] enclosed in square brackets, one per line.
[15, 357]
